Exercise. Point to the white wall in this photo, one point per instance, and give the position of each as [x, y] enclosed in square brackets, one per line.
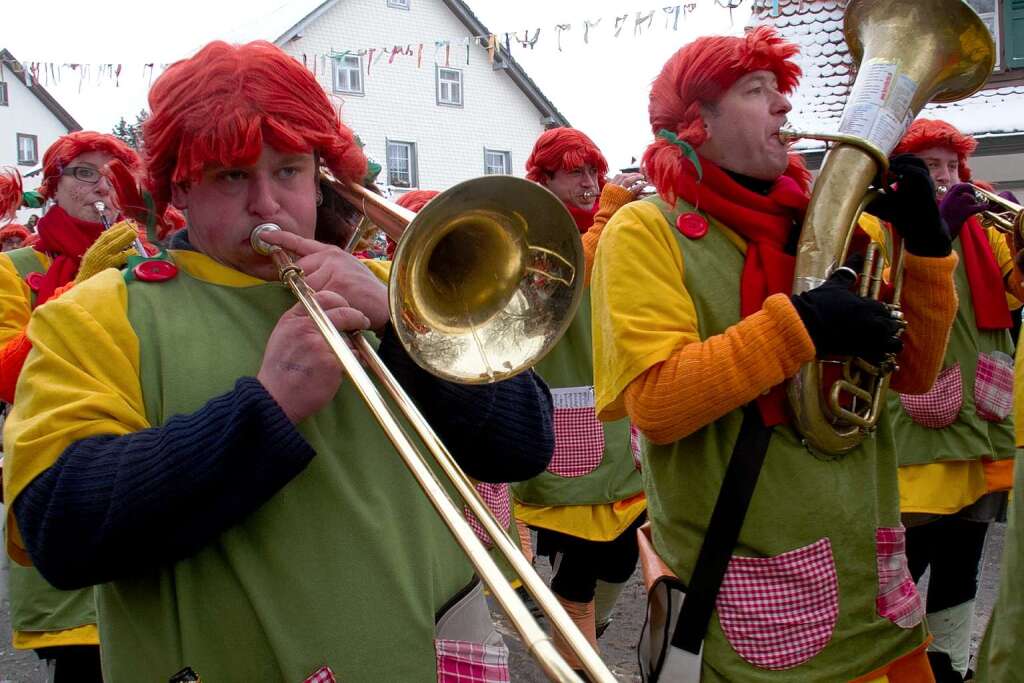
[25, 114]
[400, 102]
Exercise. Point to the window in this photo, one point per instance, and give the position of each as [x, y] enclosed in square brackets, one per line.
[1005, 20]
[402, 164]
[399, 4]
[348, 74]
[497, 162]
[3, 94]
[28, 150]
[449, 86]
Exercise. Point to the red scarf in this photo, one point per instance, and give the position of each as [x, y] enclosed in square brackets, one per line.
[766, 222]
[66, 239]
[584, 217]
[991, 311]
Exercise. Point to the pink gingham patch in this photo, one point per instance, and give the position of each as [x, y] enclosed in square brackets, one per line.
[459, 661]
[634, 444]
[499, 501]
[898, 599]
[939, 407]
[778, 612]
[321, 675]
[993, 386]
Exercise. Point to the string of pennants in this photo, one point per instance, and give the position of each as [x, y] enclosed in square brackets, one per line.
[442, 52]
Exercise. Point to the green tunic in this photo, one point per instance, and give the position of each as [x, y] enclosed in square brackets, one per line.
[821, 542]
[345, 566]
[36, 605]
[969, 436]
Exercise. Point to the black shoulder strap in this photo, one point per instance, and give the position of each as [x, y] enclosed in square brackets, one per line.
[723, 530]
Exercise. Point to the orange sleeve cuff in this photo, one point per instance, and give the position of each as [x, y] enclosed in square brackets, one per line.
[929, 307]
[12, 359]
[613, 198]
[998, 474]
[702, 381]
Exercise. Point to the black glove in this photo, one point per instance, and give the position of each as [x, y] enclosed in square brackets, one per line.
[845, 324]
[911, 208]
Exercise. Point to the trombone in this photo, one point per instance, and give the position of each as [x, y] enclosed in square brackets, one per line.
[472, 301]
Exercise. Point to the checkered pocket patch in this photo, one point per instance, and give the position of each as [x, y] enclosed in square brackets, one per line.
[499, 501]
[778, 612]
[939, 407]
[634, 445]
[993, 386]
[321, 675]
[460, 661]
[579, 436]
[898, 599]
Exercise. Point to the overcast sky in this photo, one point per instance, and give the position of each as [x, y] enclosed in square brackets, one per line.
[601, 87]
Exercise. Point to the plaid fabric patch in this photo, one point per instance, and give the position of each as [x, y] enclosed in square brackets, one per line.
[634, 444]
[939, 407]
[993, 386]
[459, 661]
[898, 599]
[778, 612]
[499, 501]
[321, 675]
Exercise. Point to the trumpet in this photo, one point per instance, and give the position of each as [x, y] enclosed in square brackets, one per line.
[472, 301]
[1009, 218]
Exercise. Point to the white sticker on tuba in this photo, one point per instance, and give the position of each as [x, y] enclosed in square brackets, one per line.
[879, 104]
[573, 397]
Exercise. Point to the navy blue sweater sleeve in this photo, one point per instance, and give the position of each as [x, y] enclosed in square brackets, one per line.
[496, 432]
[112, 505]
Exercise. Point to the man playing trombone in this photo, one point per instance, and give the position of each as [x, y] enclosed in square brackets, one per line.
[184, 436]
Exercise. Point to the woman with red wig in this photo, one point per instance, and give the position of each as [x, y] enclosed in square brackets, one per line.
[956, 443]
[202, 460]
[695, 332]
[587, 505]
[12, 236]
[59, 625]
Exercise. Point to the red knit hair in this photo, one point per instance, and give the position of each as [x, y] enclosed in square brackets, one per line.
[563, 149]
[698, 74]
[59, 156]
[13, 230]
[928, 133]
[219, 107]
[416, 199]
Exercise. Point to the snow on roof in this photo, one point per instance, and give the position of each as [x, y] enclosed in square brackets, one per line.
[817, 27]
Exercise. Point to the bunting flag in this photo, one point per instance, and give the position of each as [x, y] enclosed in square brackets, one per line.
[496, 45]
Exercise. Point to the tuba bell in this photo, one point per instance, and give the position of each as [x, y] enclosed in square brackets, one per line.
[949, 58]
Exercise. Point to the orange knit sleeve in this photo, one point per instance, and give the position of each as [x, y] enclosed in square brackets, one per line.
[929, 306]
[13, 355]
[702, 381]
[613, 198]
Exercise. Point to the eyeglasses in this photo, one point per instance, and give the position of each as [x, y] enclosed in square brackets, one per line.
[84, 173]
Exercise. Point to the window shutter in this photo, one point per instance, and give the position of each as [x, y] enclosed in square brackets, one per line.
[1013, 33]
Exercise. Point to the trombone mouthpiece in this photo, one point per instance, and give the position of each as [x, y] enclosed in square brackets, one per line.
[99, 206]
[257, 243]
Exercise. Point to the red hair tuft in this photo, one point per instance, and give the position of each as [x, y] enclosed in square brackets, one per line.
[563, 149]
[10, 193]
[416, 199]
[68, 147]
[221, 106]
[13, 230]
[928, 133]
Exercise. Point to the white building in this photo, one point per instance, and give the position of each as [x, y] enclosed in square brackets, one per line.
[429, 123]
[30, 121]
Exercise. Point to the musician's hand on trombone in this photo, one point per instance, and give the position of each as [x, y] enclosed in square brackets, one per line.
[328, 268]
[299, 370]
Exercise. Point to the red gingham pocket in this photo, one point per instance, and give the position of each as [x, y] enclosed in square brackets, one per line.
[634, 444]
[499, 501]
[939, 407]
[579, 436]
[778, 612]
[898, 599]
[993, 386]
[321, 675]
[460, 661]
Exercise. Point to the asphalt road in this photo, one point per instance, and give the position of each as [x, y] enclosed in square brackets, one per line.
[617, 645]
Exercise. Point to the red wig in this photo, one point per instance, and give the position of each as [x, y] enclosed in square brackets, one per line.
[563, 149]
[13, 230]
[10, 193]
[928, 133]
[68, 147]
[221, 106]
[416, 200]
[698, 74]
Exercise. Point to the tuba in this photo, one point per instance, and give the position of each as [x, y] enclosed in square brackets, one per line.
[949, 57]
